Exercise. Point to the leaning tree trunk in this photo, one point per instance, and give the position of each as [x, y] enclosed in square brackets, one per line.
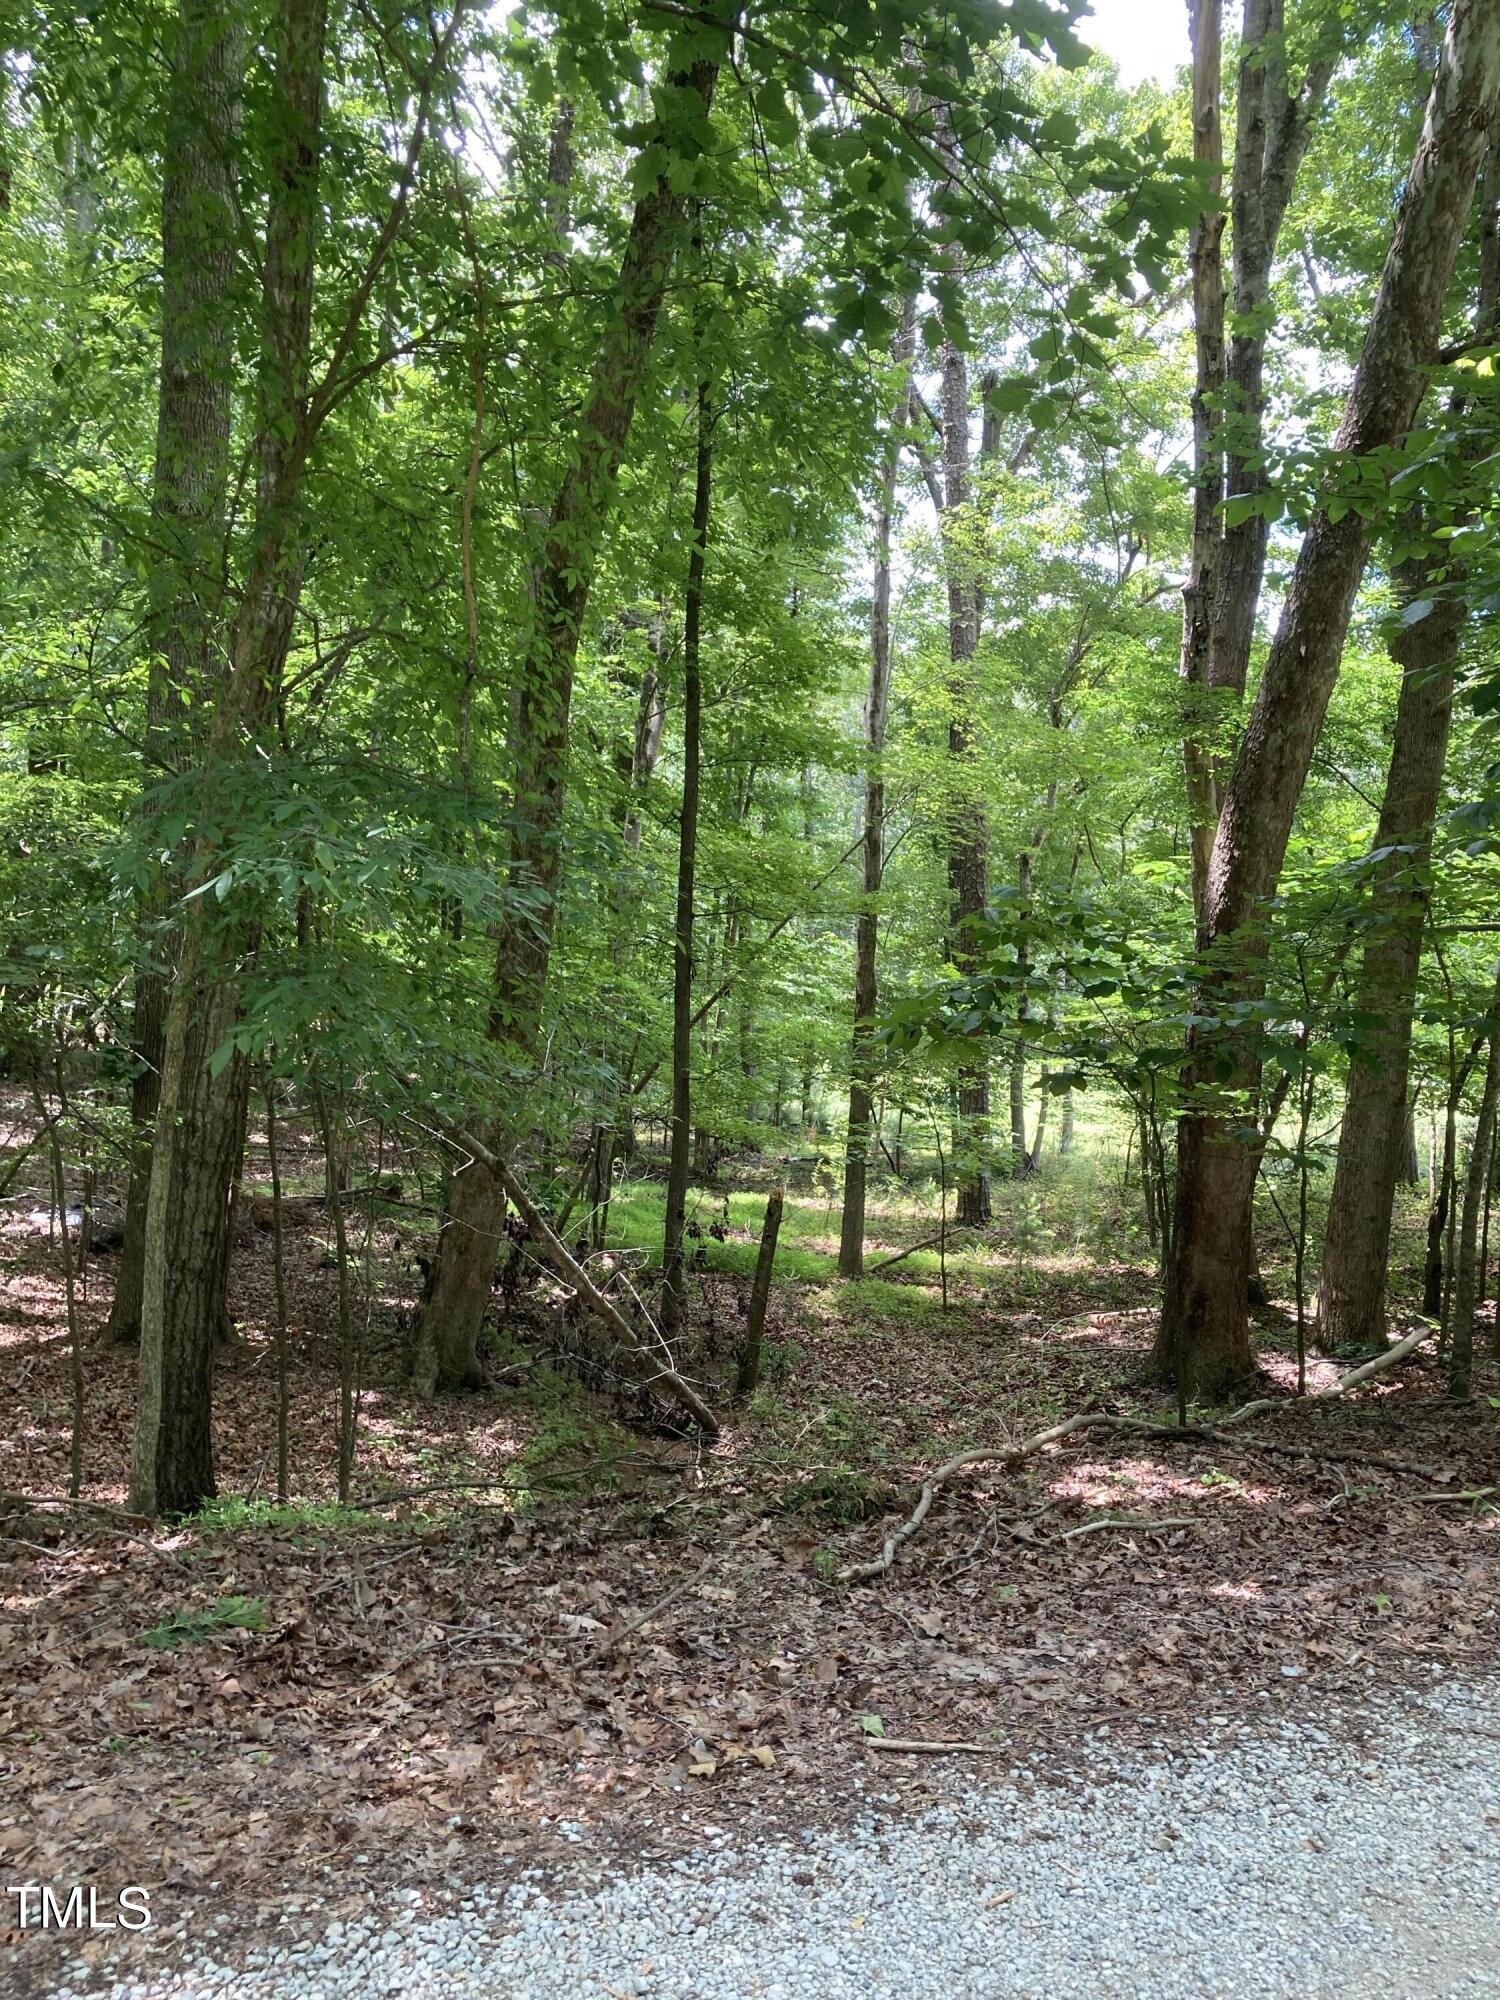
[872, 830]
[448, 1337]
[1377, 1136]
[1204, 1333]
[189, 485]
[680, 1158]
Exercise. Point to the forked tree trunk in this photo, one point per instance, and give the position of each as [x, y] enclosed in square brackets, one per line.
[1204, 1333]
[447, 1344]
[872, 830]
[1227, 562]
[189, 485]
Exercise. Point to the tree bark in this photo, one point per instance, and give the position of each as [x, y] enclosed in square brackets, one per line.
[680, 1159]
[1204, 1334]
[448, 1335]
[968, 837]
[1466, 1274]
[1376, 1138]
[1205, 259]
[1351, 1293]
[872, 828]
[189, 489]
[201, 1115]
[747, 1375]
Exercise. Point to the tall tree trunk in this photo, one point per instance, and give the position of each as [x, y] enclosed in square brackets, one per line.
[200, 1121]
[1227, 561]
[1205, 259]
[189, 487]
[1377, 1121]
[872, 829]
[680, 1159]
[448, 1336]
[1466, 1274]
[1442, 1201]
[1351, 1294]
[1409, 1168]
[1204, 1333]
[968, 836]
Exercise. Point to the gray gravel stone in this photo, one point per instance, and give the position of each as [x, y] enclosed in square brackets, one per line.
[1301, 1862]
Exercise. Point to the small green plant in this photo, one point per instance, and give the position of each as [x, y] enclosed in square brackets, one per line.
[192, 1628]
[232, 1514]
[838, 1494]
[1030, 1234]
[1217, 1477]
[573, 1449]
[781, 1359]
[825, 1563]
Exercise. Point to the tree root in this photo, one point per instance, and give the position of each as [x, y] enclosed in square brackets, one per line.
[1135, 1427]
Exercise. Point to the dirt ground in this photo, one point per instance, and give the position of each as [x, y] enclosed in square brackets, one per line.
[544, 1631]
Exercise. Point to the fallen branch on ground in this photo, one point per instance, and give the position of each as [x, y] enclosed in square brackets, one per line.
[623, 1630]
[927, 1243]
[1129, 1527]
[917, 1747]
[1121, 1426]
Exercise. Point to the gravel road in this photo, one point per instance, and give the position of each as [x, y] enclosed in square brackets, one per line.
[1354, 1857]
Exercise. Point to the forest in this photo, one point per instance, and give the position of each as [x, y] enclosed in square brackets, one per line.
[749, 811]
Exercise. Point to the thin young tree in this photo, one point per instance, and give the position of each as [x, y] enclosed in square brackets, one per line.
[872, 822]
[673, 1284]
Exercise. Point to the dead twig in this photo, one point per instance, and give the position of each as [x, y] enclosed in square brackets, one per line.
[1133, 1527]
[927, 1243]
[916, 1746]
[602, 1648]
[1120, 1426]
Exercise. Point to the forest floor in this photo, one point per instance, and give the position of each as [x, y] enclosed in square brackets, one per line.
[268, 1709]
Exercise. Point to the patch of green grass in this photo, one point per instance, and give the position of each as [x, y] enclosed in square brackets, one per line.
[297, 1517]
[637, 1212]
[573, 1449]
[883, 1298]
[192, 1628]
